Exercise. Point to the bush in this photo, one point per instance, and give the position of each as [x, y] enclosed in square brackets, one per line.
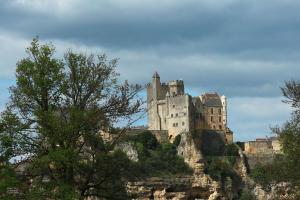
[177, 140]
[247, 195]
[231, 150]
[219, 167]
[157, 159]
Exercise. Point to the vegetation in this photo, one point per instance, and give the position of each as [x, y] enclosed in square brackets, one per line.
[157, 159]
[247, 195]
[52, 121]
[220, 167]
[286, 166]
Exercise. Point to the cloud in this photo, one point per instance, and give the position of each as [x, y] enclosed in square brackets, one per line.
[251, 118]
[242, 49]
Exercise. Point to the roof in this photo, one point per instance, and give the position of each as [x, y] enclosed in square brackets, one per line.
[211, 100]
[155, 75]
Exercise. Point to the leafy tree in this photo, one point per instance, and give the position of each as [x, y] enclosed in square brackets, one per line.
[156, 159]
[285, 167]
[57, 108]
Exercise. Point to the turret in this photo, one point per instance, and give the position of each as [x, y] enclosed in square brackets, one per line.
[176, 88]
[224, 108]
[156, 85]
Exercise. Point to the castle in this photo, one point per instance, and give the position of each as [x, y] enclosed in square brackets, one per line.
[170, 109]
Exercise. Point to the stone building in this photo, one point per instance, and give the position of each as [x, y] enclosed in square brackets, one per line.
[171, 109]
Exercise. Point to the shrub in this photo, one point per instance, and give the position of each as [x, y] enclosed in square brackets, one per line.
[157, 159]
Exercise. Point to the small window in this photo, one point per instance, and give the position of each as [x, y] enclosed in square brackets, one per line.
[171, 115]
[220, 127]
[212, 111]
[176, 114]
[173, 106]
[220, 111]
[184, 114]
[182, 123]
[211, 118]
[174, 124]
[220, 119]
[214, 127]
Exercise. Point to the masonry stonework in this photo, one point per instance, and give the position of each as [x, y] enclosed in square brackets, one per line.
[171, 109]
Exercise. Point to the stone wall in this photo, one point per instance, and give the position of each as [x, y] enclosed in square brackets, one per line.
[161, 135]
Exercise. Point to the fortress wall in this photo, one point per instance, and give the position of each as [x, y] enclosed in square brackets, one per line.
[254, 147]
[161, 135]
[259, 159]
[179, 118]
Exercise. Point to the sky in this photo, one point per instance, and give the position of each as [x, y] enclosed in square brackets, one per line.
[244, 50]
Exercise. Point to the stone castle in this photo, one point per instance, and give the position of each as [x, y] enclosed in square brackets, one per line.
[171, 110]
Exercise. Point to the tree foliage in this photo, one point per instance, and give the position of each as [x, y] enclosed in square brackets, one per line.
[157, 159]
[285, 167]
[57, 108]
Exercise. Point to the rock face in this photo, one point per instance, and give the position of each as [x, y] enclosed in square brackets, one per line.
[284, 191]
[188, 148]
[182, 188]
[129, 150]
[197, 186]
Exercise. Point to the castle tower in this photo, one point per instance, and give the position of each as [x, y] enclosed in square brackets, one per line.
[156, 86]
[176, 88]
[224, 108]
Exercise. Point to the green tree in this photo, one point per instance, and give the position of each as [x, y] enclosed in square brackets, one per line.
[285, 167]
[57, 108]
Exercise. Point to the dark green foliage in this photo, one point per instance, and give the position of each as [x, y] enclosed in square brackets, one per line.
[220, 167]
[231, 150]
[157, 159]
[247, 195]
[8, 179]
[259, 175]
[285, 167]
[177, 140]
[57, 108]
[146, 138]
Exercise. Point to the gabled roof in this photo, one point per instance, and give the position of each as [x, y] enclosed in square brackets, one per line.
[211, 100]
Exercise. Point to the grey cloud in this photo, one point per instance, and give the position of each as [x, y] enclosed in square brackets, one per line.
[236, 27]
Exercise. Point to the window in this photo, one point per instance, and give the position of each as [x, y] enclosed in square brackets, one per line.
[182, 123]
[211, 118]
[220, 127]
[171, 115]
[174, 124]
[184, 114]
[220, 111]
[220, 119]
[173, 106]
[176, 114]
[212, 111]
[214, 127]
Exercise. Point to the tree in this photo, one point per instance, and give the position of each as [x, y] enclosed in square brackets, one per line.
[285, 167]
[57, 108]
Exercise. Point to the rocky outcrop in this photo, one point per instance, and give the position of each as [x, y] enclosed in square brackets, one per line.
[182, 188]
[197, 186]
[284, 191]
[129, 150]
[189, 150]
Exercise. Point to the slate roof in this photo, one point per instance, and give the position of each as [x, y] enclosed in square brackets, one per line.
[211, 100]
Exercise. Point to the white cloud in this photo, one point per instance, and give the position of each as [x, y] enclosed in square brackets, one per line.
[12, 49]
[251, 117]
